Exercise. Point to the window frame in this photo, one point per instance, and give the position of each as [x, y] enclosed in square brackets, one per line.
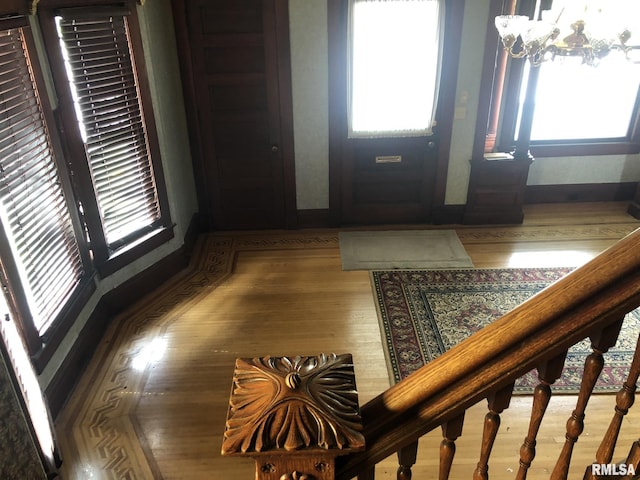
[96, 259]
[42, 346]
[106, 259]
[503, 114]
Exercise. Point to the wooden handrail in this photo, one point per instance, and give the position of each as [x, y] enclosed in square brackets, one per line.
[575, 307]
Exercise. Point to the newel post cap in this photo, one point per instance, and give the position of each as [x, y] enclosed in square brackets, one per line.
[287, 404]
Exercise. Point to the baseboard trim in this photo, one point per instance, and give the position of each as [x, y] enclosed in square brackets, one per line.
[588, 192]
[447, 214]
[314, 218]
[66, 377]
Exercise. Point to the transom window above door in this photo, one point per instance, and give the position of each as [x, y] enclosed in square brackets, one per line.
[394, 57]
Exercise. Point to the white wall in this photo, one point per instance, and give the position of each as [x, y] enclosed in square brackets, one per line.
[592, 169]
[310, 84]
[474, 28]
[161, 58]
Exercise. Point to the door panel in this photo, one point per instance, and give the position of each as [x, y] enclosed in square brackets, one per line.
[235, 58]
[388, 180]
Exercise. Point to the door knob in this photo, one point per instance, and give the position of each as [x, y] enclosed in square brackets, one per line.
[274, 148]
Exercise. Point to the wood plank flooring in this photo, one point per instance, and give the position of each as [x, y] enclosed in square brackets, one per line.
[152, 403]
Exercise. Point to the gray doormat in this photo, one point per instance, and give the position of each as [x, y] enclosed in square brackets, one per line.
[407, 249]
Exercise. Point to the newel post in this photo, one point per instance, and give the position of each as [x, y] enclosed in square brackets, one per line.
[294, 415]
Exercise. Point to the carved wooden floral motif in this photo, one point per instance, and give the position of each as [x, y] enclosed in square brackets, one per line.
[282, 403]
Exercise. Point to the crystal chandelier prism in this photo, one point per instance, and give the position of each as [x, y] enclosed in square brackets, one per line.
[540, 40]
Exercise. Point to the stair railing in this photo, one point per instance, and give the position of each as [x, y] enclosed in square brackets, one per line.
[590, 302]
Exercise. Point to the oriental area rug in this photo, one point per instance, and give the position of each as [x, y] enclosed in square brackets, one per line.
[423, 313]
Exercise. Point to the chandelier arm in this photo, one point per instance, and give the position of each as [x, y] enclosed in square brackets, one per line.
[516, 54]
[577, 44]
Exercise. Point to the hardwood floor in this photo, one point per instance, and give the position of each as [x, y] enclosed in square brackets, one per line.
[153, 401]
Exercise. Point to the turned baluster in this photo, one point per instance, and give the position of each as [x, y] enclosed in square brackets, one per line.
[498, 402]
[451, 430]
[600, 343]
[548, 374]
[634, 455]
[624, 401]
[407, 459]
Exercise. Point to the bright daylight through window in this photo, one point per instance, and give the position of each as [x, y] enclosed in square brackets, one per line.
[28, 382]
[44, 249]
[103, 80]
[576, 101]
[394, 62]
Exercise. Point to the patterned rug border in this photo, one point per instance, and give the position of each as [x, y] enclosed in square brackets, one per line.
[421, 351]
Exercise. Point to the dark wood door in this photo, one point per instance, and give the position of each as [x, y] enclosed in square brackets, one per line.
[388, 180]
[241, 85]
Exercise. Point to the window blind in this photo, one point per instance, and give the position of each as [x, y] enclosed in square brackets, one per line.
[33, 209]
[101, 71]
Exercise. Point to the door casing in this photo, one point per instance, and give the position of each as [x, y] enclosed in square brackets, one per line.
[364, 191]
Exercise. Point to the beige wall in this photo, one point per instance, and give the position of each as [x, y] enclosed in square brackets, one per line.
[309, 78]
[166, 90]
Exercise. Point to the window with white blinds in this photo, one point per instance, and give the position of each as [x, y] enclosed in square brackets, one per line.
[102, 74]
[34, 213]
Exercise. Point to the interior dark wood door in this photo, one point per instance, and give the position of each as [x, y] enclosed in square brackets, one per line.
[241, 81]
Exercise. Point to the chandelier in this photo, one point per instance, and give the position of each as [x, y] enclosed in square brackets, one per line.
[538, 40]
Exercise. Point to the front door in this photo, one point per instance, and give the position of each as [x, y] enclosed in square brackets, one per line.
[241, 78]
[394, 176]
[389, 180]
